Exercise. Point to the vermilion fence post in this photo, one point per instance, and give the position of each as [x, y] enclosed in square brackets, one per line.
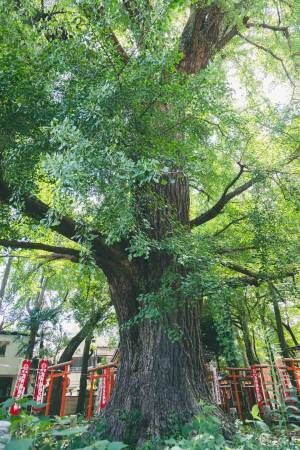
[234, 381]
[64, 390]
[49, 394]
[90, 404]
[107, 379]
[57, 374]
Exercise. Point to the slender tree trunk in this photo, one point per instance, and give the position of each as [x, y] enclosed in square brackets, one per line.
[5, 278]
[279, 326]
[291, 333]
[241, 349]
[84, 375]
[251, 356]
[254, 346]
[4, 284]
[41, 349]
[34, 318]
[31, 342]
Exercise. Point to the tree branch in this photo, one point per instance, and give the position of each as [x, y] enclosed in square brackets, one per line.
[240, 269]
[123, 54]
[223, 200]
[238, 281]
[203, 36]
[267, 50]
[291, 333]
[259, 277]
[223, 250]
[108, 258]
[284, 30]
[233, 222]
[27, 245]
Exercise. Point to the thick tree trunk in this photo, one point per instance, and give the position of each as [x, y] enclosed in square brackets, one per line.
[204, 35]
[42, 346]
[83, 376]
[158, 380]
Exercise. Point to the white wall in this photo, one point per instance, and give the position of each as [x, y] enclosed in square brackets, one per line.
[10, 363]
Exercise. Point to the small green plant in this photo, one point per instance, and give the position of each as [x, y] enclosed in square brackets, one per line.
[132, 422]
[31, 432]
[204, 432]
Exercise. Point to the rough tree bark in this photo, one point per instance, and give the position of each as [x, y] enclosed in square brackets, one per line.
[158, 379]
[31, 342]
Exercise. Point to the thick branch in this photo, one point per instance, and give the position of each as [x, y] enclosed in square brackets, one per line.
[291, 333]
[240, 269]
[204, 34]
[223, 200]
[267, 26]
[223, 250]
[108, 258]
[27, 245]
[259, 277]
[123, 54]
[238, 281]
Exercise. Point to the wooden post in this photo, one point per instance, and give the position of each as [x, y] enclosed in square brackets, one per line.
[234, 381]
[90, 405]
[64, 390]
[66, 365]
[264, 385]
[49, 394]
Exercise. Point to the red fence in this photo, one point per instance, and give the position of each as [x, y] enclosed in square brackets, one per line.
[105, 376]
[237, 391]
[42, 380]
[243, 387]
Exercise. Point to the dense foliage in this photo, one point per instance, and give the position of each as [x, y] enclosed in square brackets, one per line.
[155, 143]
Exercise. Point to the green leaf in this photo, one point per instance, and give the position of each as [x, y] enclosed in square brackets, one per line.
[255, 412]
[7, 404]
[20, 444]
[116, 445]
[70, 431]
[98, 445]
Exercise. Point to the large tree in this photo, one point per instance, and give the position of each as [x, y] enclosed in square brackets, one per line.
[115, 116]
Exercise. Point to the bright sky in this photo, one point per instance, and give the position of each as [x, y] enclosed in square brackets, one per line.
[279, 93]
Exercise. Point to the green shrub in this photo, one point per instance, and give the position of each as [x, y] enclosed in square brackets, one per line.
[30, 432]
